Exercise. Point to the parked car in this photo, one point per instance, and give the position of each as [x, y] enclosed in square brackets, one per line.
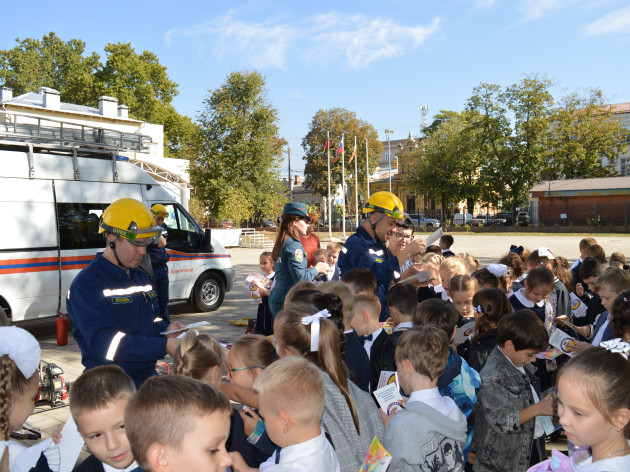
[523, 218]
[462, 219]
[268, 224]
[226, 224]
[420, 220]
[485, 220]
[503, 219]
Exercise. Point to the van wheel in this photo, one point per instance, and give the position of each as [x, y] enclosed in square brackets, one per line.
[4, 319]
[209, 292]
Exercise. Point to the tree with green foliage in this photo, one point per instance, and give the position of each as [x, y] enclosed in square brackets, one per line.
[239, 148]
[583, 131]
[513, 136]
[337, 121]
[446, 166]
[136, 80]
[51, 62]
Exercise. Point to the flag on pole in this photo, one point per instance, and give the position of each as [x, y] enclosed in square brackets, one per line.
[339, 151]
[353, 155]
[326, 146]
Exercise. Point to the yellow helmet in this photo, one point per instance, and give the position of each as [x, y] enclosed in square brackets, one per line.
[159, 210]
[385, 202]
[130, 219]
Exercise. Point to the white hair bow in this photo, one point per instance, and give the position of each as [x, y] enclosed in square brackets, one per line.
[478, 309]
[545, 252]
[498, 270]
[313, 320]
[618, 346]
[22, 348]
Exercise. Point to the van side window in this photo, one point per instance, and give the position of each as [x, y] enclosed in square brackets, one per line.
[78, 225]
[183, 233]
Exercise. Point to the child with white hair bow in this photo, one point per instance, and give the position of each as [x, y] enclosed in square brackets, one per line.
[19, 382]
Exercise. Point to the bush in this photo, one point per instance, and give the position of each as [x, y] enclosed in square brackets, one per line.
[541, 226]
[466, 228]
[571, 227]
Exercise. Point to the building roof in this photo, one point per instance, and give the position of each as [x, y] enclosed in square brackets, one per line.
[574, 187]
[36, 100]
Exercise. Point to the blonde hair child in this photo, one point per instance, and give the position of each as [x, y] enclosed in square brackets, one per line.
[594, 408]
[450, 267]
[462, 289]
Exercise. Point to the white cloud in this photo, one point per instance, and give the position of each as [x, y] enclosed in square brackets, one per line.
[536, 9]
[261, 43]
[361, 40]
[615, 22]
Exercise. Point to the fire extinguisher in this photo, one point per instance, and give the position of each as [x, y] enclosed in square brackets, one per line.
[62, 330]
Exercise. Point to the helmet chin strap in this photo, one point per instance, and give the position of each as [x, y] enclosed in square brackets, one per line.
[112, 245]
[373, 225]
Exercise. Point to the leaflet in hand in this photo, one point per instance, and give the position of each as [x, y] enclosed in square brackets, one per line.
[389, 398]
[434, 237]
[578, 308]
[188, 326]
[377, 458]
[254, 282]
[422, 276]
[70, 445]
[463, 332]
[561, 340]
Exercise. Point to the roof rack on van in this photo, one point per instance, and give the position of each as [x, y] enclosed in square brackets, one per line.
[64, 135]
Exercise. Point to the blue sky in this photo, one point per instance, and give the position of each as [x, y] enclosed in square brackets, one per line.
[380, 59]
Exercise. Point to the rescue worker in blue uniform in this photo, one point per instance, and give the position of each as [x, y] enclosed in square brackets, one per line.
[368, 246]
[159, 258]
[289, 256]
[111, 302]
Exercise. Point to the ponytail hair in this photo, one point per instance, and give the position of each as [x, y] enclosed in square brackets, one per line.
[254, 349]
[290, 332]
[12, 385]
[285, 230]
[196, 354]
[494, 304]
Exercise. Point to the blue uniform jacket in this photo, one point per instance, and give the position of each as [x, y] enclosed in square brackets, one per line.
[289, 268]
[361, 250]
[114, 319]
[159, 256]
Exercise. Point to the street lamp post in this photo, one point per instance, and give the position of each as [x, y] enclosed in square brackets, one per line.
[389, 157]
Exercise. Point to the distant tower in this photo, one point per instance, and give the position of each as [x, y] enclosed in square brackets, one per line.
[424, 113]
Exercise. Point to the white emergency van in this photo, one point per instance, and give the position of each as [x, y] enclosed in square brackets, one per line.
[51, 200]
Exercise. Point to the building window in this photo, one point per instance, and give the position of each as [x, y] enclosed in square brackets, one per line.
[624, 168]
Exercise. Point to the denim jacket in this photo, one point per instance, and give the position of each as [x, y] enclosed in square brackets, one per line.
[500, 441]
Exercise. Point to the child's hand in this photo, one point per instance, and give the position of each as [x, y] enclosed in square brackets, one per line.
[580, 346]
[579, 290]
[263, 292]
[584, 330]
[322, 268]
[250, 420]
[56, 434]
[238, 463]
[546, 406]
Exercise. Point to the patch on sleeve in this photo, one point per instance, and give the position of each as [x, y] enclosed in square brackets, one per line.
[299, 255]
[344, 250]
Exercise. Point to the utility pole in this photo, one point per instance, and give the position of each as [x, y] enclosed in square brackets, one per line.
[290, 186]
[389, 157]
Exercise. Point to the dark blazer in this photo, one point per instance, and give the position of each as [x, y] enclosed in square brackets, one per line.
[381, 358]
[357, 360]
[598, 325]
[91, 464]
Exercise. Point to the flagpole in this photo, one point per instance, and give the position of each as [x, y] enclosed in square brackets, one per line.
[329, 203]
[343, 184]
[356, 184]
[367, 167]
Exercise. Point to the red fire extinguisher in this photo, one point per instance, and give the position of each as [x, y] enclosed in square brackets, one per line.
[62, 330]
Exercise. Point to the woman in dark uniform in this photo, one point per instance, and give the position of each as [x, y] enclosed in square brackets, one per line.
[289, 256]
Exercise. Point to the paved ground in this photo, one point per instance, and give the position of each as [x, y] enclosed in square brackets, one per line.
[487, 248]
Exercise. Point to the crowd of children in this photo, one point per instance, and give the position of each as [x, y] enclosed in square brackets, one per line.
[469, 347]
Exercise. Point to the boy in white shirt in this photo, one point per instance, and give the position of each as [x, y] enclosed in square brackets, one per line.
[291, 398]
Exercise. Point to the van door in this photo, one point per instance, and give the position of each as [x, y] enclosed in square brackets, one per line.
[29, 249]
[184, 243]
